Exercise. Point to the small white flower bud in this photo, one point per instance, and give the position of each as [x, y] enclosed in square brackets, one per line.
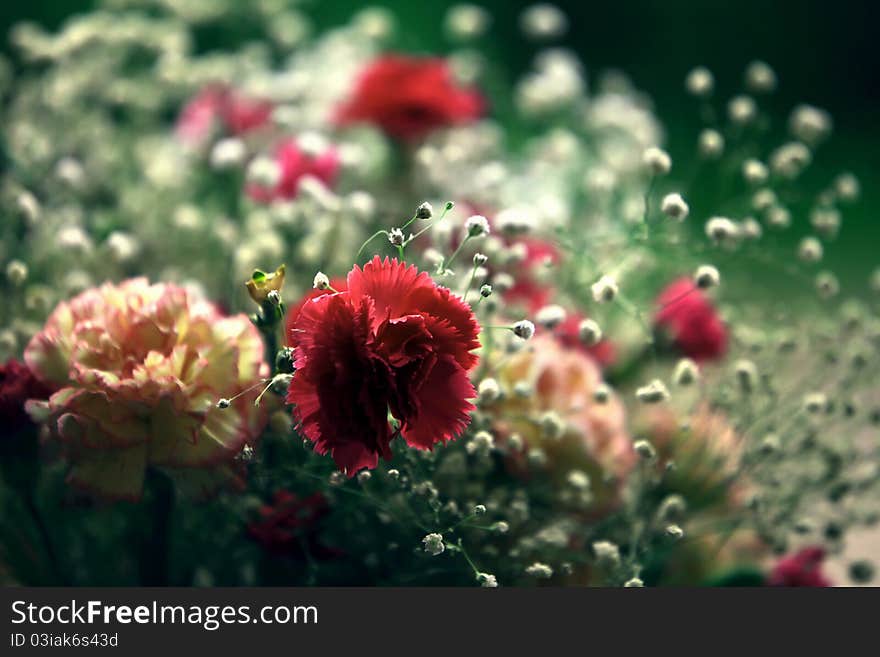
[815, 403]
[672, 506]
[810, 250]
[467, 21]
[764, 199]
[607, 554]
[485, 290]
[396, 237]
[480, 509]
[524, 329]
[755, 172]
[488, 391]
[482, 443]
[645, 450]
[847, 187]
[589, 332]
[550, 316]
[578, 479]
[674, 207]
[29, 207]
[790, 159]
[779, 217]
[540, 570]
[746, 374]
[707, 277]
[810, 124]
[634, 583]
[263, 171]
[514, 442]
[602, 393]
[605, 289]
[826, 221]
[424, 211]
[477, 225]
[364, 476]
[700, 82]
[480, 259]
[686, 372]
[674, 532]
[500, 527]
[321, 281]
[123, 247]
[760, 78]
[543, 21]
[750, 229]
[742, 110]
[16, 272]
[487, 581]
[537, 457]
[710, 144]
[514, 222]
[223, 403]
[433, 544]
[394, 474]
[770, 445]
[552, 426]
[657, 161]
[827, 285]
[653, 393]
[503, 282]
[228, 153]
[721, 229]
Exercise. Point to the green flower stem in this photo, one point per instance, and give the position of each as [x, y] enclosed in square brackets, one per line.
[155, 547]
[43, 530]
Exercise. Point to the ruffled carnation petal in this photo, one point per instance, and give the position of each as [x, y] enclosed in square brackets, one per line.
[441, 405]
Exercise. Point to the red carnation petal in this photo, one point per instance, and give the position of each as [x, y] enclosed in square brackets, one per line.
[335, 404]
[389, 283]
[442, 409]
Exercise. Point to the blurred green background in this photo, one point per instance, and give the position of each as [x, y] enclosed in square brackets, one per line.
[825, 53]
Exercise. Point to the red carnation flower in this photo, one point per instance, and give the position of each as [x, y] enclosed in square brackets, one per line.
[691, 320]
[409, 97]
[803, 568]
[219, 106]
[294, 164]
[394, 343]
[290, 524]
[17, 385]
[338, 284]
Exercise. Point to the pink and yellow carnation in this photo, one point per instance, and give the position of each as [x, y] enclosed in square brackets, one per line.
[563, 382]
[138, 370]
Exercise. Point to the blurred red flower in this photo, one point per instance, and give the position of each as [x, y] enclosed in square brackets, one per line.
[394, 343]
[294, 164]
[17, 385]
[219, 106]
[409, 97]
[691, 320]
[803, 568]
[289, 525]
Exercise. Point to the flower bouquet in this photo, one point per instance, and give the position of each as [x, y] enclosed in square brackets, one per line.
[320, 308]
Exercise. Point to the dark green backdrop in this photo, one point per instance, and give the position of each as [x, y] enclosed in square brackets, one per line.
[825, 52]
